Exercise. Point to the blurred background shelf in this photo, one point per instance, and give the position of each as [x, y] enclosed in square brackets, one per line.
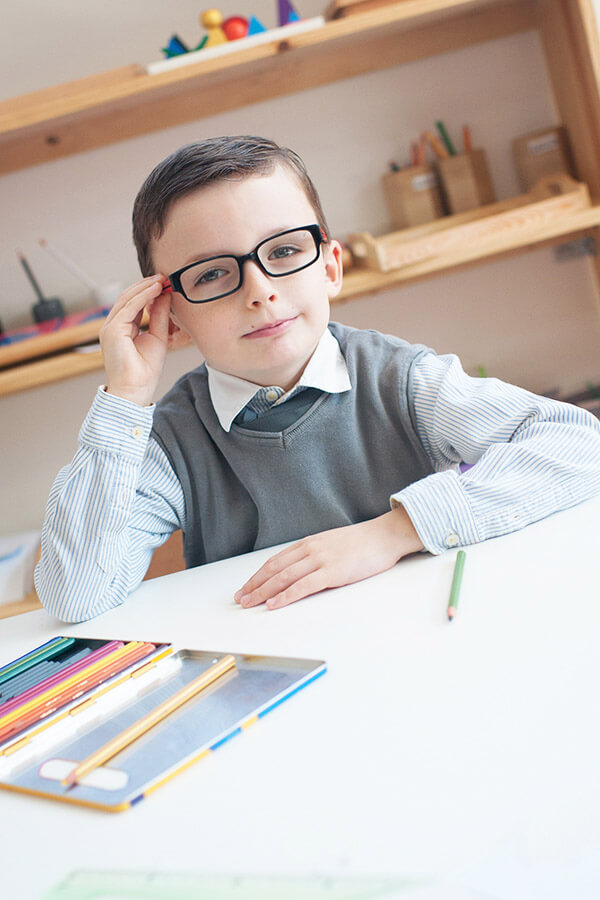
[126, 102]
[358, 282]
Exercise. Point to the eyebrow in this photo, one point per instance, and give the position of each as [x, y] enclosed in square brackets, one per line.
[197, 258]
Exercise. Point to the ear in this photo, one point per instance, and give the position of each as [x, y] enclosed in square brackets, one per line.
[332, 256]
[178, 336]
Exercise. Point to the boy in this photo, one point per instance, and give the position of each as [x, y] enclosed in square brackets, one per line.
[294, 429]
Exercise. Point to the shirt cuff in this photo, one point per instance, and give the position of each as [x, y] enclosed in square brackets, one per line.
[117, 426]
[440, 511]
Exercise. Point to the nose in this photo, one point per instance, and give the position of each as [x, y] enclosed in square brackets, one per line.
[257, 287]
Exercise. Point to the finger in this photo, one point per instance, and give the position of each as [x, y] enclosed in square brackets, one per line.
[311, 584]
[140, 287]
[278, 583]
[131, 315]
[129, 292]
[271, 568]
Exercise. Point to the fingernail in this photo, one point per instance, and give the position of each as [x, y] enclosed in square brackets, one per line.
[237, 595]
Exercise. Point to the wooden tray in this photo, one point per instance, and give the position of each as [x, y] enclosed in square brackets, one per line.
[551, 198]
[45, 344]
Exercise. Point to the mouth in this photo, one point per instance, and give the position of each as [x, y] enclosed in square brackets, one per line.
[271, 329]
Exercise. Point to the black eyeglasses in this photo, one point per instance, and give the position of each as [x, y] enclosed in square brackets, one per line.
[218, 276]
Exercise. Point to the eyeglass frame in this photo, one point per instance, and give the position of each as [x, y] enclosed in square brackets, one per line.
[174, 280]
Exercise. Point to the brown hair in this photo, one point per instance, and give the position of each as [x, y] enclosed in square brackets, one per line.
[205, 162]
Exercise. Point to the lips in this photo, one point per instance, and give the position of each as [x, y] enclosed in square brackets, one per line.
[271, 329]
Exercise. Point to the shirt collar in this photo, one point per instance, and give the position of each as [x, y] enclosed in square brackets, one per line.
[326, 370]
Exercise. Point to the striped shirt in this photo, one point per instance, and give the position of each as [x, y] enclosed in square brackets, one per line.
[119, 499]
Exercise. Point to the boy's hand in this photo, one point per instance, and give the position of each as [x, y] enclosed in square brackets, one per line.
[134, 359]
[331, 559]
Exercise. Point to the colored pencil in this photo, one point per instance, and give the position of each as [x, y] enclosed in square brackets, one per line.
[467, 142]
[113, 659]
[62, 698]
[133, 732]
[45, 670]
[99, 694]
[20, 659]
[445, 137]
[436, 145]
[456, 583]
[57, 677]
[46, 651]
[73, 691]
[21, 682]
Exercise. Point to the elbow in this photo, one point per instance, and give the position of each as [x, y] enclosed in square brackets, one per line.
[69, 601]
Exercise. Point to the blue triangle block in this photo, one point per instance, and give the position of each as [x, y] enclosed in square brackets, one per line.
[254, 26]
[175, 47]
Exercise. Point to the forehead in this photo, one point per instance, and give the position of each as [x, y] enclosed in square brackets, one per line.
[231, 215]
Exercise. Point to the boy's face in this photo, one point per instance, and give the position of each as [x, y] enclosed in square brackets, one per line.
[267, 330]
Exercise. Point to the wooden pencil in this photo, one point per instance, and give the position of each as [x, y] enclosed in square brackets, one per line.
[164, 709]
[456, 583]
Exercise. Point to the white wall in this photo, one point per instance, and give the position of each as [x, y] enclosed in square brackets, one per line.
[510, 316]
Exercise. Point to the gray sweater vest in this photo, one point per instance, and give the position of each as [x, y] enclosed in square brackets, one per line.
[336, 465]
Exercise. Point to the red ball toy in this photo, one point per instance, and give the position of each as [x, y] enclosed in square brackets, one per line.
[235, 27]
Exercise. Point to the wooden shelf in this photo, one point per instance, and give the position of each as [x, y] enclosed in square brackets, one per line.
[126, 102]
[358, 282]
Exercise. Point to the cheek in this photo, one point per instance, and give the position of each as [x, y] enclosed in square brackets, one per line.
[209, 326]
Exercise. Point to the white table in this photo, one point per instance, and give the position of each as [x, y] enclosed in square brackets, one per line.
[466, 751]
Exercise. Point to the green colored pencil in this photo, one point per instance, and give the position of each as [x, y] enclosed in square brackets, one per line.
[32, 659]
[446, 138]
[456, 583]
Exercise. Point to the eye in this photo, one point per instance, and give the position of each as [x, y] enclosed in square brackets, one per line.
[210, 275]
[283, 251]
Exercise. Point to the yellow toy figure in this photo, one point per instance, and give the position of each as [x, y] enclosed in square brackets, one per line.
[212, 20]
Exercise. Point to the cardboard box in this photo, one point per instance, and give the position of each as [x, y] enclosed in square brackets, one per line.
[413, 196]
[466, 181]
[542, 153]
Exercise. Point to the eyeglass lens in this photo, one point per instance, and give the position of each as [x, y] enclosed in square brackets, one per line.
[279, 255]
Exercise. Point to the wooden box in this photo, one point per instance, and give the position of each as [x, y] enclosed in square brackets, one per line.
[413, 196]
[542, 153]
[466, 181]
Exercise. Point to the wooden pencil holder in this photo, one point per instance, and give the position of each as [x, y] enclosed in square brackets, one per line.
[466, 181]
[413, 196]
[541, 154]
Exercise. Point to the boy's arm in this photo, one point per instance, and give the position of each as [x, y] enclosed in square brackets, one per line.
[531, 457]
[108, 510]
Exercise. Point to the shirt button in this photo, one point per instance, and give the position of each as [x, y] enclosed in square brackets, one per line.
[137, 433]
[452, 539]
[271, 395]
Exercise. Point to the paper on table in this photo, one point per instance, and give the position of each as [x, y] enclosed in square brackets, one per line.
[17, 559]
